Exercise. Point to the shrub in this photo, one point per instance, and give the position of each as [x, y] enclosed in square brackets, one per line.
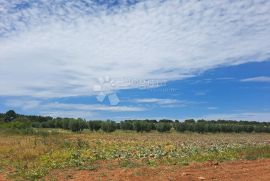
[36, 125]
[108, 126]
[19, 125]
[44, 125]
[126, 125]
[94, 125]
[138, 126]
[141, 126]
[180, 127]
[163, 127]
[10, 115]
[59, 123]
[65, 123]
[76, 125]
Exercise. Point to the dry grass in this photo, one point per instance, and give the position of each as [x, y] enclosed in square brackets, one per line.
[32, 156]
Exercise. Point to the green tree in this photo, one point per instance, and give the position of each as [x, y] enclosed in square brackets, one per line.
[108, 126]
[126, 125]
[10, 115]
[163, 127]
[94, 125]
[180, 127]
[76, 125]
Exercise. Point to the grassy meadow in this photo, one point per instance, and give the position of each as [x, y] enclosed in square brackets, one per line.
[33, 155]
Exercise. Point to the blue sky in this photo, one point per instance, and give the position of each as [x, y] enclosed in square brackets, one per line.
[136, 59]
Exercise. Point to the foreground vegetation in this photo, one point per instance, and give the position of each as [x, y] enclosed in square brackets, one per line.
[32, 155]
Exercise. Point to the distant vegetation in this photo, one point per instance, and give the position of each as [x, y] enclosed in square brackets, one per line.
[16, 121]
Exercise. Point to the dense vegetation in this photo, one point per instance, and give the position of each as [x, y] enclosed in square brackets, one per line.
[13, 120]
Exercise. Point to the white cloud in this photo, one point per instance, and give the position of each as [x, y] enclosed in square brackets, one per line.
[248, 116]
[158, 101]
[91, 107]
[69, 114]
[55, 108]
[162, 102]
[166, 102]
[257, 79]
[57, 50]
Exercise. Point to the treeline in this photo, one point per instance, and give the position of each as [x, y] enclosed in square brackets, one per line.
[199, 126]
[13, 120]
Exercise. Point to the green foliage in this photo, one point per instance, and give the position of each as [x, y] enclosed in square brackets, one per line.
[45, 125]
[94, 125]
[163, 127]
[17, 124]
[127, 125]
[108, 126]
[11, 113]
[190, 121]
[225, 126]
[180, 127]
[143, 126]
[77, 125]
[65, 123]
[190, 125]
[36, 125]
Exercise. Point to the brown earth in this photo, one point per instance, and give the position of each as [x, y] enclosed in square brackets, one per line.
[256, 170]
[2, 177]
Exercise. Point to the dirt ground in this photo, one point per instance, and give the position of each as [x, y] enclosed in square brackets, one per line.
[256, 170]
[2, 177]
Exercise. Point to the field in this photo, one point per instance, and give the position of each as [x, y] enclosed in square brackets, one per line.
[55, 154]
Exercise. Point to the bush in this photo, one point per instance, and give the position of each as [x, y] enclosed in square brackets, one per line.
[10, 115]
[19, 125]
[36, 125]
[94, 125]
[65, 123]
[163, 127]
[51, 123]
[59, 123]
[126, 125]
[44, 125]
[180, 127]
[108, 126]
[138, 126]
[77, 125]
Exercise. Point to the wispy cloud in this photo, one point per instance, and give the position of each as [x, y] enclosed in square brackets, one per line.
[166, 102]
[257, 79]
[92, 107]
[57, 49]
[248, 116]
[47, 107]
[158, 101]
[69, 114]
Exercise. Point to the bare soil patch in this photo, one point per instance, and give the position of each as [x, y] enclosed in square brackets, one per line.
[234, 170]
[2, 177]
